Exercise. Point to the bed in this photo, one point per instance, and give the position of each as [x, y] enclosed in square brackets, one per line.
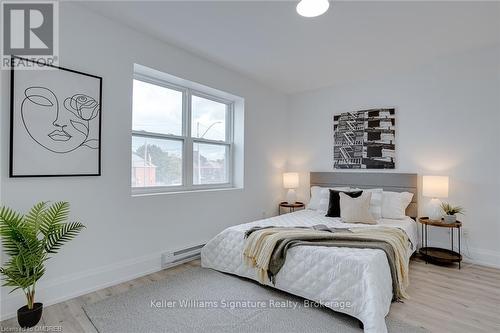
[352, 281]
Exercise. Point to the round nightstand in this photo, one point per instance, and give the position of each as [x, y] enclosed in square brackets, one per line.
[292, 207]
[436, 254]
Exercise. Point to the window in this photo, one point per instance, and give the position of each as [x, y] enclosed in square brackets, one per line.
[182, 138]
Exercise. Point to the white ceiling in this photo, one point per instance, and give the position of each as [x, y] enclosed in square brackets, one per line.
[269, 42]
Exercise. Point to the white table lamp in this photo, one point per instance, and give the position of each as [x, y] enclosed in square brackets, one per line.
[435, 187]
[291, 182]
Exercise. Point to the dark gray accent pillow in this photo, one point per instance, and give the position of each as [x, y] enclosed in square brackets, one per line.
[334, 203]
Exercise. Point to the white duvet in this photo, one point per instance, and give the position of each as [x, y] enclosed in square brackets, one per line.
[332, 276]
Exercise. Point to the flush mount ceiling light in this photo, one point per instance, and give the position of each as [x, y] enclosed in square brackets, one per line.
[312, 8]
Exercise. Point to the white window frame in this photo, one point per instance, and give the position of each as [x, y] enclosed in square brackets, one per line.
[188, 141]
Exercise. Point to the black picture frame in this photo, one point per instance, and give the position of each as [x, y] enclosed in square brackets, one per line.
[12, 110]
[365, 139]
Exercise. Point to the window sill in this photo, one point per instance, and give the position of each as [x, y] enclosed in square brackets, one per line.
[146, 193]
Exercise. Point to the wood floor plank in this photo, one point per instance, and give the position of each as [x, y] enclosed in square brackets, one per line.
[443, 299]
[75, 309]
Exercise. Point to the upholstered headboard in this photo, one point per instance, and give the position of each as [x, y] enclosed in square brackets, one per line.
[395, 182]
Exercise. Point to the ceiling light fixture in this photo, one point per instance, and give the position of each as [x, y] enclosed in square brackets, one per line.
[312, 8]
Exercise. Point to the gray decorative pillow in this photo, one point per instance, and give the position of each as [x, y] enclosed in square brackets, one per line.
[356, 210]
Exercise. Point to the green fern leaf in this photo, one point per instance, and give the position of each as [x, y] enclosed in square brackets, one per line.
[53, 216]
[35, 215]
[65, 233]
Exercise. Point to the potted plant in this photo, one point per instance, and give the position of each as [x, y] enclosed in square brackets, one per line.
[451, 212]
[30, 240]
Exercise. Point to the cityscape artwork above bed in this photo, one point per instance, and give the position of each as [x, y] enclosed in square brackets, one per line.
[364, 139]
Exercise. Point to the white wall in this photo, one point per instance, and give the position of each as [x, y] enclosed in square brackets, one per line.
[448, 123]
[125, 235]
[448, 119]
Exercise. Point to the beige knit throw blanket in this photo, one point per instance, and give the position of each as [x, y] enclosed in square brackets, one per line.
[260, 245]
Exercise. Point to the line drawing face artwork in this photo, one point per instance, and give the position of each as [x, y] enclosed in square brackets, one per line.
[55, 122]
[59, 129]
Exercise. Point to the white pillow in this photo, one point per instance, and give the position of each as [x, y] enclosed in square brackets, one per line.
[356, 210]
[320, 197]
[376, 201]
[315, 198]
[394, 204]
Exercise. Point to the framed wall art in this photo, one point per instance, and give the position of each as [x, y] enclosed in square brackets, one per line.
[364, 139]
[55, 122]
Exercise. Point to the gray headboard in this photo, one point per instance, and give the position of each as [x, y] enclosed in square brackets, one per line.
[395, 182]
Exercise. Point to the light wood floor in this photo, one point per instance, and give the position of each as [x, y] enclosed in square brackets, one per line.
[443, 299]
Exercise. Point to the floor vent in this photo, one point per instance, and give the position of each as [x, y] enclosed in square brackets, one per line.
[181, 256]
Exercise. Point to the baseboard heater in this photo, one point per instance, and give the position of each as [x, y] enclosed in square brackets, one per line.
[178, 257]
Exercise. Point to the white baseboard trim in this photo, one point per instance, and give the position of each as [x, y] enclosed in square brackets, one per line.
[476, 256]
[74, 285]
[61, 289]
[483, 257]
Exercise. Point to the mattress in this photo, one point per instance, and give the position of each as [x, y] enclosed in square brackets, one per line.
[353, 281]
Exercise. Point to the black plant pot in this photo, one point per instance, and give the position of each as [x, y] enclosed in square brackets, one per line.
[29, 318]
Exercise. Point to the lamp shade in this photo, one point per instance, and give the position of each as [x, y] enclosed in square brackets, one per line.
[435, 186]
[290, 180]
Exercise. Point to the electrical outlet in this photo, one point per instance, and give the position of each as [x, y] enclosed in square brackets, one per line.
[465, 232]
